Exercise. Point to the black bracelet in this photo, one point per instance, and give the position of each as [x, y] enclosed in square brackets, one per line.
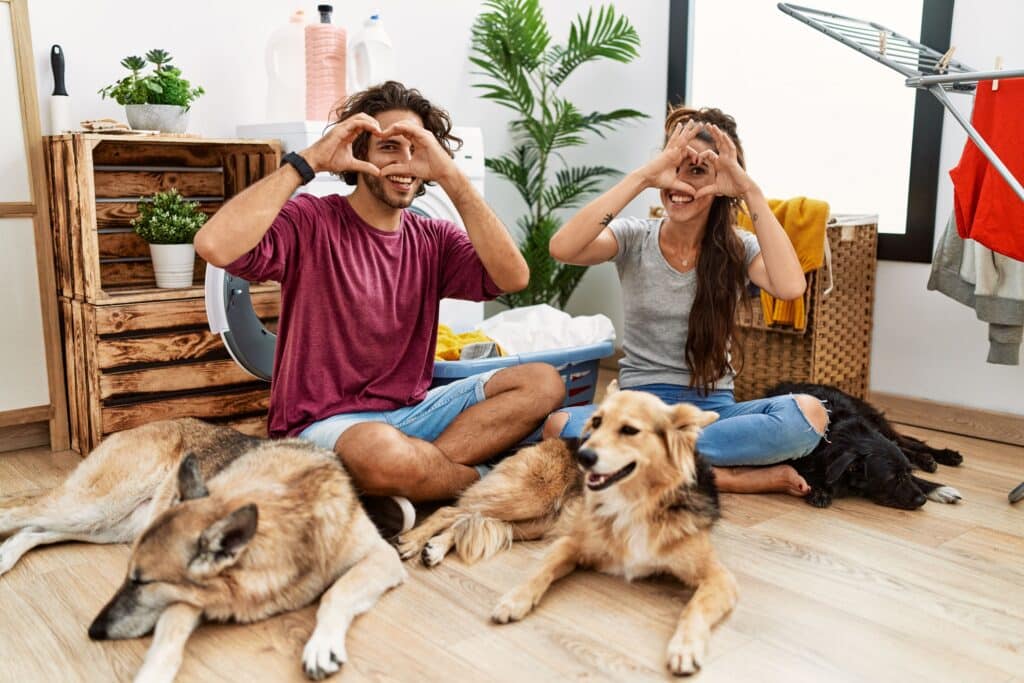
[296, 161]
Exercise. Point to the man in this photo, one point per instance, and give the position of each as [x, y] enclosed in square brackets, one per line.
[361, 282]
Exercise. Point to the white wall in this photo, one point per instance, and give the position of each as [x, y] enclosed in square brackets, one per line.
[925, 345]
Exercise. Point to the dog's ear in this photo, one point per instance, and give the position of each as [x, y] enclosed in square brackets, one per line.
[190, 481]
[612, 388]
[681, 445]
[222, 543]
[838, 466]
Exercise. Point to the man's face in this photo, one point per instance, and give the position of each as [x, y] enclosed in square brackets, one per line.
[393, 190]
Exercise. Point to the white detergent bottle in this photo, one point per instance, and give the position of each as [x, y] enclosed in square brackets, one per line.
[373, 58]
[286, 70]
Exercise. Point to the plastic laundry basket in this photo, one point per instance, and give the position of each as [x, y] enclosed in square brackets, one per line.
[578, 367]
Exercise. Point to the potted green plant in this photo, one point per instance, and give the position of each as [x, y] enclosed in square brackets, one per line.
[156, 101]
[523, 72]
[168, 222]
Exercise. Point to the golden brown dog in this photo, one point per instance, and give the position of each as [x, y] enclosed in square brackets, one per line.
[228, 527]
[637, 501]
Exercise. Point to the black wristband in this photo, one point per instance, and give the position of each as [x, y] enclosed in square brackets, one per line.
[299, 164]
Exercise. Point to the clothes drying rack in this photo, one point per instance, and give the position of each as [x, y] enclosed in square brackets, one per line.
[924, 68]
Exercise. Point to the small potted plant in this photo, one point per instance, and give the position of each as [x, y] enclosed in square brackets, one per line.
[156, 101]
[168, 223]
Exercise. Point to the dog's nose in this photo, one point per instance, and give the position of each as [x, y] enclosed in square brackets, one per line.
[586, 457]
[98, 630]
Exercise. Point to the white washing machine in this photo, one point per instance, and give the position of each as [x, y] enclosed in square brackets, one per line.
[228, 306]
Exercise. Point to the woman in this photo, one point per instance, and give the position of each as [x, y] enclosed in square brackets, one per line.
[682, 277]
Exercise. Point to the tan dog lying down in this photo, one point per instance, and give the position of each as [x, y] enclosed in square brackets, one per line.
[635, 500]
[226, 528]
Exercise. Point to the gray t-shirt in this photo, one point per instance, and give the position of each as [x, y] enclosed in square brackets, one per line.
[657, 300]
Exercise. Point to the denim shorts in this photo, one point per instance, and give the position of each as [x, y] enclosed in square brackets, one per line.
[764, 431]
[425, 420]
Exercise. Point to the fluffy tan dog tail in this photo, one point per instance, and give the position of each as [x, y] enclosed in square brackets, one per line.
[477, 537]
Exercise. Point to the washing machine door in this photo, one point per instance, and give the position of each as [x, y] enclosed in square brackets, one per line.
[434, 203]
[230, 313]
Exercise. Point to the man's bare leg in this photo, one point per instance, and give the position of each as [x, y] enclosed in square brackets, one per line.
[384, 462]
[518, 400]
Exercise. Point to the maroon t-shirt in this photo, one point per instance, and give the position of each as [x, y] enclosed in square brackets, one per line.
[359, 306]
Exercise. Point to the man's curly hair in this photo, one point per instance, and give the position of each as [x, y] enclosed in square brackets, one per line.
[389, 96]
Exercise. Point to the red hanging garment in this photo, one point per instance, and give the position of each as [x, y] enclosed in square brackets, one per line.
[987, 209]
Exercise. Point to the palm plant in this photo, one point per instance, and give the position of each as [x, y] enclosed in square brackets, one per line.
[523, 71]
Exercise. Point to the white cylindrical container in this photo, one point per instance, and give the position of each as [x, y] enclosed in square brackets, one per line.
[173, 264]
[372, 56]
[286, 70]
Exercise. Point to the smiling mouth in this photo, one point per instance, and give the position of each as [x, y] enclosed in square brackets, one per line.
[677, 198]
[597, 482]
[402, 182]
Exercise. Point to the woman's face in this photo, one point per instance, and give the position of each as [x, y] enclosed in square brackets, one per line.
[680, 206]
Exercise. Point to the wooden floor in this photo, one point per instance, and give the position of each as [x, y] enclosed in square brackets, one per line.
[855, 592]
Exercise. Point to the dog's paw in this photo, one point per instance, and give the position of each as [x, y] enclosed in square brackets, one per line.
[324, 654]
[408, 548]
[513, 606]
[686, 656]
[8, 556]
[949, 457]
[818, 498]
[924, 462]
[433, 554]
[945, 494]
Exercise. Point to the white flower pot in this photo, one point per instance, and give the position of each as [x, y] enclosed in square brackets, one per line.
[173, 264]
[166, 118]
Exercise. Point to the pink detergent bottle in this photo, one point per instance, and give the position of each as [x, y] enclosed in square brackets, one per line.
[325, 66]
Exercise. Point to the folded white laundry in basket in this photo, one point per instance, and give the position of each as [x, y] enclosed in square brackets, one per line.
[542, 328]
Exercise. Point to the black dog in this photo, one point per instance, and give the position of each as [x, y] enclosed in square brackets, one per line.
[864, 456]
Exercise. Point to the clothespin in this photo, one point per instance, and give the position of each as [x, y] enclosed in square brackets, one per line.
[999, 67]
[882, 38]
[945, 60]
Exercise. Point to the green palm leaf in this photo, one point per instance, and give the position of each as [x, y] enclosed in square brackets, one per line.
[611, 36]
[574, 184]
[599, 122]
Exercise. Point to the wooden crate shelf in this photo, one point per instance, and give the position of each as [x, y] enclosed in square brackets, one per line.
[135, 353]
[96, 182]
[129, 364]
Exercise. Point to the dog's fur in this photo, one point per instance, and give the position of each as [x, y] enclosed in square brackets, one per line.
[862, 455]
[644, 503]
[226, 528]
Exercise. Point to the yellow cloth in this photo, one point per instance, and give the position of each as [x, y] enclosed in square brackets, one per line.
[449, 344]
[804, 221]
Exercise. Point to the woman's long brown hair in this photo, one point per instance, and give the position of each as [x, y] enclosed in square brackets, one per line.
[721, 272]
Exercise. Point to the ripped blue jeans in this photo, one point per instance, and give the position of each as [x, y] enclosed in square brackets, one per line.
[764, 431]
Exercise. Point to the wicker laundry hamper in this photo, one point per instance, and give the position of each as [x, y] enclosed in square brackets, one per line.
[835, 347]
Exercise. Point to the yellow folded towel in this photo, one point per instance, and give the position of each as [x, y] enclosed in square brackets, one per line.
[804, 221]
[450, 344]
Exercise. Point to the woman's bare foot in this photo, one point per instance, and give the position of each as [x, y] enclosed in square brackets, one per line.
[770, 479]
